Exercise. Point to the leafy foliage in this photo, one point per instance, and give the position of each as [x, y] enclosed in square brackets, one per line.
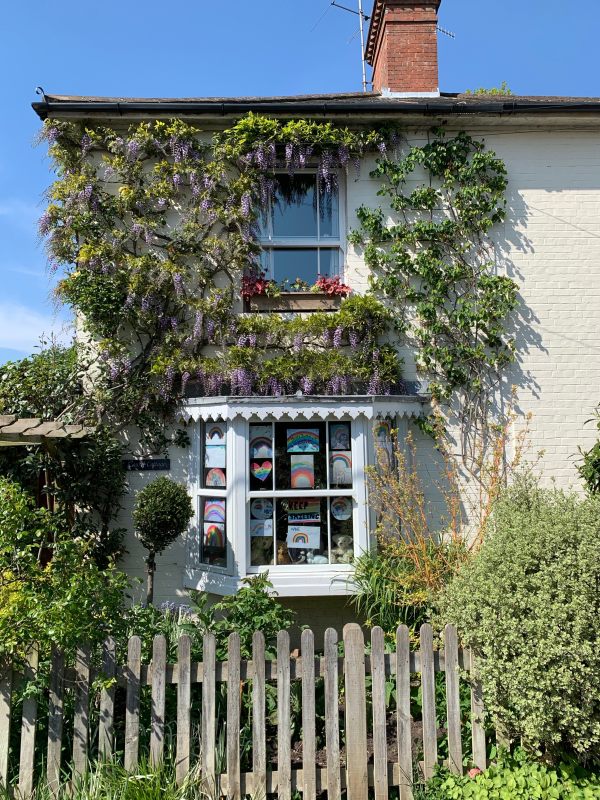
[528, 603]
[589, 469]
[432, 264]
[517, 778]
[51, 589]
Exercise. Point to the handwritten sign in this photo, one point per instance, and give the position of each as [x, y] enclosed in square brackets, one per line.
[146, 464]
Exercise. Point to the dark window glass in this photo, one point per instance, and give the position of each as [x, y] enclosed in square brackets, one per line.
[295, 207]
[300, 455]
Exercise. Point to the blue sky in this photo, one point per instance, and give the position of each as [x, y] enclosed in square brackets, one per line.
[224, 48]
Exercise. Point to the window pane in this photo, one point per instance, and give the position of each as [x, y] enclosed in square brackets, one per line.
[300, 461]
[342, 535]
[261, 457]
[290, 264]
[302, 531]
[295, 207]
[340, 456]
[213, 542]
[215, 464]
[261, 531]
[329, 215]
[329, 262]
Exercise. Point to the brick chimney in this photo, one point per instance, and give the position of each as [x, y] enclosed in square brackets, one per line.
[402, 48]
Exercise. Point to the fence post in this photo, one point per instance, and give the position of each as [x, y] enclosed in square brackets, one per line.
[477, 717]
[453, 700]
[356, 712]
[233, 717]
[404, 718]
[157, 713]
[6, 687]
[380, 770]
[284, 744]
[259, 731]
[428, 691]
[132, 703]
[81, 715]
[332, 715]
[55, 721]
[28, 724]
[208, 713]
[184, 688]
[309, 744]
[107, 701]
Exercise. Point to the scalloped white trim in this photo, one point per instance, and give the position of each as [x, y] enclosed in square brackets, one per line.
[306, 408]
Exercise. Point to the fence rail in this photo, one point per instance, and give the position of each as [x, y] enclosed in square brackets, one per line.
[359, 724]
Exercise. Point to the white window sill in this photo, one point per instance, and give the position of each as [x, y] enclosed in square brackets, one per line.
[307, 582]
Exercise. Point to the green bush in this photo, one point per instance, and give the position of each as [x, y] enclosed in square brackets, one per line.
[162, 511]
[528, 603]
[516, 778]
[51, 589]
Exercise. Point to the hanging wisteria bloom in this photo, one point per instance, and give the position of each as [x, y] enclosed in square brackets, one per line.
[354, 338]
[246, 204]
[298, 343]
[178, 283]
[197, 332]
[307, 385]
[337, 337]
[184, 381]
[86, 144]
[177, 180]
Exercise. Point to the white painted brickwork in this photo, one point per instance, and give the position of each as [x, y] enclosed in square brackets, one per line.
[550, 244]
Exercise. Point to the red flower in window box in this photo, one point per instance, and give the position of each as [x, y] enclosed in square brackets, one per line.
[332, 286]
[254, 284]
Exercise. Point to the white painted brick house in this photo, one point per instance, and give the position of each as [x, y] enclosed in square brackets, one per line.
[549, 243]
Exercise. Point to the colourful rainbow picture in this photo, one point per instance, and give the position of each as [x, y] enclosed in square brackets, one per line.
[341, 508]
[215, 477]
[214, 510]
[302, 471]
[339, 436]
[302, 440]
[340, 465]
[261, 447]
[214, 535]
[261, 470]
[302, 510]
[215, 434]
[261, 508]
[299, 536]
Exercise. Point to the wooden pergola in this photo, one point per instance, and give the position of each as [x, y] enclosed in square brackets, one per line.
[18, 431]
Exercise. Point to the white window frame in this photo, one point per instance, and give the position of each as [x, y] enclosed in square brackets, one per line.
[300, 580]
[269, 243]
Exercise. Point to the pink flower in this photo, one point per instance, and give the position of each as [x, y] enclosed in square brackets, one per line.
[473, 773]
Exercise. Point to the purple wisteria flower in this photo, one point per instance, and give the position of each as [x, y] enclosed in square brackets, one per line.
[178, 283]
[298, 343]
[177, 180]
[133, 150]
[381, 146]
[354, 338]
[44, 223]
[197, 331]
[246, 203]
[274, 387]
[252, 339]
[241, 382]
[327, 338]
[184, 381]
[375, 385]
[343, 155]
[86, 144]
[337, 337]
[136, 230]
[52, 134]
[146, 304]
[210, 329]
[161, 202]
[174, 323]
[307, 385]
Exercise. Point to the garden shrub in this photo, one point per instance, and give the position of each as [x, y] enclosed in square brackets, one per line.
[528, 603]
[517, 778]
[51, 589]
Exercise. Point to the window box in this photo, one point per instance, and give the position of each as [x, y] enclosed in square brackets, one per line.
[293, 301]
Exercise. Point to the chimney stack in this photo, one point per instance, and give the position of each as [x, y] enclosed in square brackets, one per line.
[402, 48]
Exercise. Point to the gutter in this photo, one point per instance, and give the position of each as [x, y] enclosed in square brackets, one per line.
[201, 107]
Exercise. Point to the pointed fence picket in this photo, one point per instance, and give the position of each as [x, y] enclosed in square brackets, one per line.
[342, 698]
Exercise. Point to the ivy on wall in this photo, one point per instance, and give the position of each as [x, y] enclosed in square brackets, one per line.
[432, 262]
[156, 226]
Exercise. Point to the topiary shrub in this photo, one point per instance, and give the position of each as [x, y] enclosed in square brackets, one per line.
[162, 512]
[529, 603]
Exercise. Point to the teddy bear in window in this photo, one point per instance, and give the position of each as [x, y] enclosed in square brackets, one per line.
[343, 549]
[261, 550]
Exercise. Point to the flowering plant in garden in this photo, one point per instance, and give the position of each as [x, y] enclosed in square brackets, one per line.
[253, 285]
[331, 286]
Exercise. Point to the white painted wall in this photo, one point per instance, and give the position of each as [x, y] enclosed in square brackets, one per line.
[550, 244]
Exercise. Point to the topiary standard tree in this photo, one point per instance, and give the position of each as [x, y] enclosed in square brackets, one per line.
[162, 512]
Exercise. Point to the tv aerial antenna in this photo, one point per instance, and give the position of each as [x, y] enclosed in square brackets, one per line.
[362, 18]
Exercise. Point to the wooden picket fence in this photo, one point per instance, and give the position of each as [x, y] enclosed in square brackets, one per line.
[347, 688]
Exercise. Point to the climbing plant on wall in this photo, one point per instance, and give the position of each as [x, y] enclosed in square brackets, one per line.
[156, 227]
[432, 262]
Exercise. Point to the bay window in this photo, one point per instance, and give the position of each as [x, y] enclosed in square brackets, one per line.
[280, 486]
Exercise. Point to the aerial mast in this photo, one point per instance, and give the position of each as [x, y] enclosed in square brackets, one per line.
[362, 17]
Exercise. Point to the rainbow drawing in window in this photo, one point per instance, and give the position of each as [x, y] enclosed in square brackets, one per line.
[302, 440]
[214, 535]
[300, 536]
[214, 510]
[302, 471]
[340, 468]
[215, 433]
